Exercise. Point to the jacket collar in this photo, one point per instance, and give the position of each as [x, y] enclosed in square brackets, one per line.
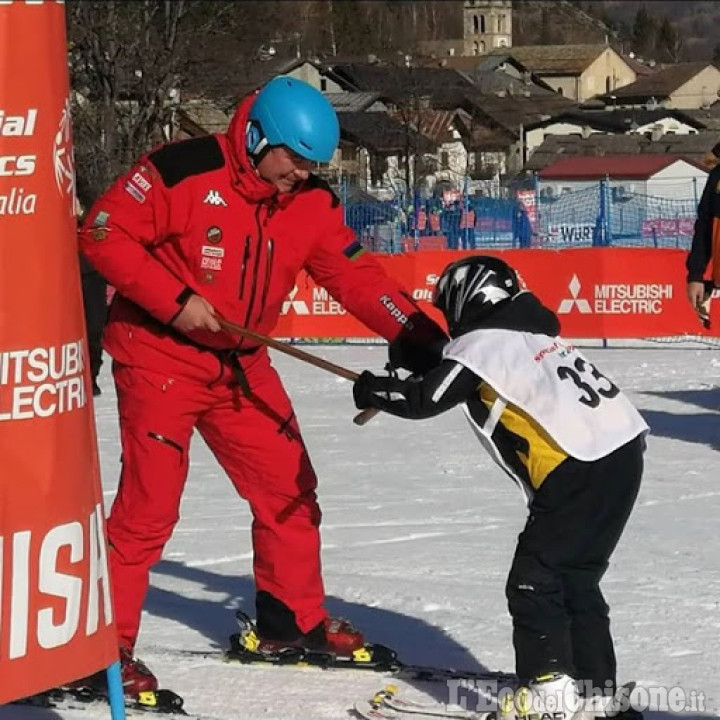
[245, 178]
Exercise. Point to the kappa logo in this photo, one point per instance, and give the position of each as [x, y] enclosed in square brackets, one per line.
[214, 198]
[299, 307]
[567, 304]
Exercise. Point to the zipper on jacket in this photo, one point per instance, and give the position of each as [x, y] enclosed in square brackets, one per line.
[268, 273]
[253, 290]
[243, 268]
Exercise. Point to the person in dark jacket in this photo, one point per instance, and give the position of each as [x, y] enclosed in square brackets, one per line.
[94, 292]
[219, 227]
[572, 441]
[704, 252]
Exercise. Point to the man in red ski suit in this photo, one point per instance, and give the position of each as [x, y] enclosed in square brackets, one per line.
[220, 226]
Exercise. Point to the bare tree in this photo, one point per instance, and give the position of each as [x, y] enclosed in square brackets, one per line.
[127, 61]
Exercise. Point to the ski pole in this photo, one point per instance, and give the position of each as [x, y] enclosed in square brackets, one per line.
[360, 419]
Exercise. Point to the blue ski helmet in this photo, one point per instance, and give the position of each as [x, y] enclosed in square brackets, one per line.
[292, 113]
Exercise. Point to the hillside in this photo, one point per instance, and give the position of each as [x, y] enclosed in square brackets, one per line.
[539, 22]
[696, 20]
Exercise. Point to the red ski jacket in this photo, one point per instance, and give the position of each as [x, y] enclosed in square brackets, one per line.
[195, 217]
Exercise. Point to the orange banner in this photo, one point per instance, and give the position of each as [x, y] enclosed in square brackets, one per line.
[55, 613]
[596, 293]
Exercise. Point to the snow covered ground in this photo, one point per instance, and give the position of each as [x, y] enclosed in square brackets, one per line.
[419, 529]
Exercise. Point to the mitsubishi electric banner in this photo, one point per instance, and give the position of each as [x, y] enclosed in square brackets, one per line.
[55, 616]
[596, 293]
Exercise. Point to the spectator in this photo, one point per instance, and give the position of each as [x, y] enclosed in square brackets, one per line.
[706, 242]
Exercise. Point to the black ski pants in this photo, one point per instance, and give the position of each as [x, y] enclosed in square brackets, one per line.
[560, 617]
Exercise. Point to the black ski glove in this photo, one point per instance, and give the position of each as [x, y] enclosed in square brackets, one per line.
[415, 357]
[363, 390]
[418, 348]
[374, 390]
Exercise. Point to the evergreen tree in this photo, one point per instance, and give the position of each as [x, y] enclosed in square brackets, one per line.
[716, 55]
[669, 41]
[644, 32]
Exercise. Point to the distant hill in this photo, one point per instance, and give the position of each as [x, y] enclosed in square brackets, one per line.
[566, 21]
[696, 20]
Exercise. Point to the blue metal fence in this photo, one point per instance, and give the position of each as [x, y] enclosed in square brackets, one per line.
[595, 216]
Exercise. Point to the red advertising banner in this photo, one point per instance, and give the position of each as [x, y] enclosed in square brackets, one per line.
[596, 293]
[55, 613]
[669, 227]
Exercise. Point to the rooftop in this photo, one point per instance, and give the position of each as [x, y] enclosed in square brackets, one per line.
[660, 84]
[352, 101]
[380, 133]
[694, 147]
[399, 81]
[628, 167]
[554, 59]
[620, 120]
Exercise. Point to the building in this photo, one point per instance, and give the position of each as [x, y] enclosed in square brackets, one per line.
[578, 72]
[683, 85]
[656, 175]
[616, 197]
[487, 24]
[583, 123]
[494, 73]
[694, 146]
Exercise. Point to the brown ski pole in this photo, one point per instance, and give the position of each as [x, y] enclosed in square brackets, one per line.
[360, 419]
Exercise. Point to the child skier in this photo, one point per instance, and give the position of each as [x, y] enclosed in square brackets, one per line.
[573, 442]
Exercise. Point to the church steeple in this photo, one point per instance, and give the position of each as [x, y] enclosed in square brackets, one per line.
[487, 25]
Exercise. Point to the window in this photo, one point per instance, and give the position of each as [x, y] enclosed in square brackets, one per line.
[476, 47]
[323, 84]
[476, 25]
[608, 88]
[444, 159]
[482, 46]
[560, 91]
[348, 153]
[482, 23]
[501, 24]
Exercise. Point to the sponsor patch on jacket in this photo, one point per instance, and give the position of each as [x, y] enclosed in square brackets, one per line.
[141, 181]
[211, 263]
[354, 250]
[212, 251]
[214, 234]
[134, 192]
[98, 234]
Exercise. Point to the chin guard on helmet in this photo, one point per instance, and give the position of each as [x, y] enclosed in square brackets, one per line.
[472, 289]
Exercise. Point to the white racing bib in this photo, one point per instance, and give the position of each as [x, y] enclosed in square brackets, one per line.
[548, 378]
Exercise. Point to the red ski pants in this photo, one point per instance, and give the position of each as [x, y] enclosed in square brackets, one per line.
[257, 442]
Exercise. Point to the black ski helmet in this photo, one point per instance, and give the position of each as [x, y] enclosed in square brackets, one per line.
[472, 289]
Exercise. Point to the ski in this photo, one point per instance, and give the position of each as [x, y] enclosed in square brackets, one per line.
[160, 702]
[367, 710]
[244, 649]
[387, 704]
